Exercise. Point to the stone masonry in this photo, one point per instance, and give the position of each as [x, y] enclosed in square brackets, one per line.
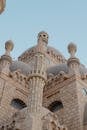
[42, 90]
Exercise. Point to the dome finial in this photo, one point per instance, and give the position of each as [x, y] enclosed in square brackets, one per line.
[9, 47]
[43, 37]
[72, 48]
[73, 62]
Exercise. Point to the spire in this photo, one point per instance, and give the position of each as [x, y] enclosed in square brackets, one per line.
[36, 81]
[42, 41]
[38, 73]
[73, 62]
[43, 37]
[9, 47]
[6, 59]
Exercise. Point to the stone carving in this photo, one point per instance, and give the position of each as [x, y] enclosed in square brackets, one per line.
[19, 77]
[27, 56]
[62, 76]
[40, 87]
[43, 37]
[50, 122]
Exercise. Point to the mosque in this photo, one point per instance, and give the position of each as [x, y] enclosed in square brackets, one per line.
[42, 90]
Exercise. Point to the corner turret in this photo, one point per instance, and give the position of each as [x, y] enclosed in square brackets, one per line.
[73, 62]
[6, 59]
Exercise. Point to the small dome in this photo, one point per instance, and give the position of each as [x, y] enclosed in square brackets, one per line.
[56, 69]
[19, 65]
[63, 67]
[57, 52]
[50, 51]
[83, 69]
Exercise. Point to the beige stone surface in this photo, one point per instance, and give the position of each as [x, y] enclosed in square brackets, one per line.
[42, 90]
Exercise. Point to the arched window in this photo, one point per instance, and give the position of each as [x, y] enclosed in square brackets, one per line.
[18, 104]
[55, 106]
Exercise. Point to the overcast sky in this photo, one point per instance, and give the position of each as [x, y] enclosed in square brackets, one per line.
[64, 20]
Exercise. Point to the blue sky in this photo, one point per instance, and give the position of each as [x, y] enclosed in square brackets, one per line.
[64, 20]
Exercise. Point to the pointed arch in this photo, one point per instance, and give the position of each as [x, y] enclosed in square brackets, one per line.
[55, 106]
[18, 104]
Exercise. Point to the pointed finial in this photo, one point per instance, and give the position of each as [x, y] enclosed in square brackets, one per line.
[9, 47]
[72, 48]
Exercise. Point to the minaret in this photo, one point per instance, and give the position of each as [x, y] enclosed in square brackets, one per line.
[37, 79]
[2, 5]
[6, 59]
[73, 62]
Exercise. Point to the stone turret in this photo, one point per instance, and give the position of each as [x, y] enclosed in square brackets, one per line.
[6, 59]
[73, 62]
[36, 81]
[42, 41]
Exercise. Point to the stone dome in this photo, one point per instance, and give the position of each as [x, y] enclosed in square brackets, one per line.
[19, 65]
[56, 69]
[83, 69]
[57, 52]
[52, 52]
[49, 48]
[26, 68]
[63, 67]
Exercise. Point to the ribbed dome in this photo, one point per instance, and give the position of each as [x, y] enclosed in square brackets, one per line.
[25, 68]
[50, 51]
[63, 67]
[57, 52]
[56, 69]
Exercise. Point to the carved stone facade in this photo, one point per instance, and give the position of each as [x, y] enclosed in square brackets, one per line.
[42, 90]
